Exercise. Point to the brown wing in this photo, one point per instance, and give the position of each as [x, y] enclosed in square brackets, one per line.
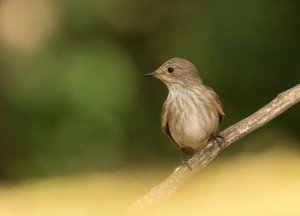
[218, 103]
[165, 126]
[164, 121]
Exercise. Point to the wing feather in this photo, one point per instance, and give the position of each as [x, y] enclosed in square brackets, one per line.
[218, 103]
[164, 120]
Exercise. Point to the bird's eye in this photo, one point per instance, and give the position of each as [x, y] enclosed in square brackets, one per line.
[170, 69]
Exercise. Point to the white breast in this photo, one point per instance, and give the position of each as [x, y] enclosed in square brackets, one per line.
[191, 119]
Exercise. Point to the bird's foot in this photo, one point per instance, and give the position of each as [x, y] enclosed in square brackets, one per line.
[217, 138]
[185, 161]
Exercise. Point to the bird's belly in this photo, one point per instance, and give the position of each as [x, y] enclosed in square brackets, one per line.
[192, 130]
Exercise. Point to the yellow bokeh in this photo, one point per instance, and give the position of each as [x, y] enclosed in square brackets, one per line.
[265, 184]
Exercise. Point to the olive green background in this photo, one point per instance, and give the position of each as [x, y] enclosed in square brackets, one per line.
[73, 98]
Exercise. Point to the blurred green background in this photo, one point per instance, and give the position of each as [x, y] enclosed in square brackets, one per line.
[73, 98]
[79, 123]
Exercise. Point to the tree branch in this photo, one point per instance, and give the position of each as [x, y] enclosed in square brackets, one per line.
[199, 161]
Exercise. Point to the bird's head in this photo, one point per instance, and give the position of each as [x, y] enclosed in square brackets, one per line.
[177, 72]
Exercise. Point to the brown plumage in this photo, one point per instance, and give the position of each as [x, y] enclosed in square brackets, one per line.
[192, 111]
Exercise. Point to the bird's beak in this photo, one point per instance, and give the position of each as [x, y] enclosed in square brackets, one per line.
[152, 74]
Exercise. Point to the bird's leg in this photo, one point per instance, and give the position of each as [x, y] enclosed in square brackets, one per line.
[216, 138]
[185, 160]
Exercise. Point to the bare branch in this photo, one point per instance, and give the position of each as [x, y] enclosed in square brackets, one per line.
[199, 161]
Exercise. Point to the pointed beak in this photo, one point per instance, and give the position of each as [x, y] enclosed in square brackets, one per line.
[152, 74]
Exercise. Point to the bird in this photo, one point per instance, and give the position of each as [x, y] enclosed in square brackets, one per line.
[192, 112]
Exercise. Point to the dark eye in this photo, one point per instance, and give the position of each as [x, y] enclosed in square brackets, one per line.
[170, 69]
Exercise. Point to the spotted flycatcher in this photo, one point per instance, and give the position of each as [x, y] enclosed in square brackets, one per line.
[192, 111]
